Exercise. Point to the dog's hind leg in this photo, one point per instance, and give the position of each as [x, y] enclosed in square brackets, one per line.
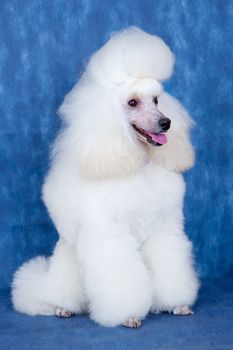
[168, 255]
[42, 286]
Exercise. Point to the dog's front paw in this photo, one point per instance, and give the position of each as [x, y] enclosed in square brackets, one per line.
[132, 322]
[60, 312]
[182, 310]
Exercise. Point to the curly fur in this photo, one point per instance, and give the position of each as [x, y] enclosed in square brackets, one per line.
[115, 200]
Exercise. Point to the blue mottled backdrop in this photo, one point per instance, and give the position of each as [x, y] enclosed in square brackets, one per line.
[44, 45]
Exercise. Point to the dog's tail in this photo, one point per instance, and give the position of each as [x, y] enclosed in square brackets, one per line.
[29, 288]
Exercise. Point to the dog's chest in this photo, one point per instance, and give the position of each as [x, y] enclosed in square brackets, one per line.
[139, 203]
[151, 201]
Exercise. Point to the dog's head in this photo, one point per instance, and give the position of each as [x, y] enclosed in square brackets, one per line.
[119, 117]
[139, 101]
[158, 121]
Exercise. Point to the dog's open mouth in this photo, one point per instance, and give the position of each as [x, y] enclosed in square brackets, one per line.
[154, 139]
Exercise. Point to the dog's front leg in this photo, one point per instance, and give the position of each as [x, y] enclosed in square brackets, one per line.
[116, 280]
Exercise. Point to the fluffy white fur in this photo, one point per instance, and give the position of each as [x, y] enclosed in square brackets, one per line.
[115, 200]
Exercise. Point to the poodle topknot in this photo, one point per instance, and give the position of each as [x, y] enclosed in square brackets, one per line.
[115, 194]
[131, 54]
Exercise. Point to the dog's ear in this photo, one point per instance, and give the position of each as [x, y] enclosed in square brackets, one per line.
[97, 137]
[178, 153]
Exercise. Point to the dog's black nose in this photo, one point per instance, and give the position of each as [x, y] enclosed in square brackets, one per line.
[164, 123]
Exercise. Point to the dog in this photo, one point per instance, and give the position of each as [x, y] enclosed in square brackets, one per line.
[115, 194]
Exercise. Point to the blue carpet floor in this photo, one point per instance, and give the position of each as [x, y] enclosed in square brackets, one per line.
[211, 327]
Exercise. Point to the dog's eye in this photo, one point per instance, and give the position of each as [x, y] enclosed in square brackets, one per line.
[132, 103]
[155, 100]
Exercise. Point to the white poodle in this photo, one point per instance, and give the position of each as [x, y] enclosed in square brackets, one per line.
[115, 193]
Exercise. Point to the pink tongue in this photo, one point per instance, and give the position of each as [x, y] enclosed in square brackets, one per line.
[160, 138]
